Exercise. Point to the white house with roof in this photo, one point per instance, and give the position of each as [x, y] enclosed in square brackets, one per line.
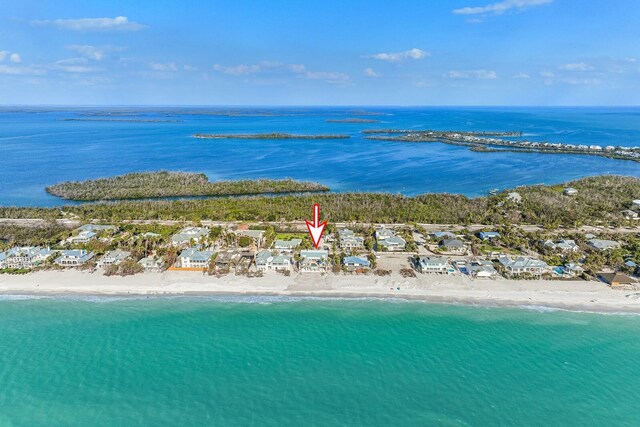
[603, 245]
[514, 197]
[349, 240]
[314, 261]
[151, 264]
[195, 258]
[188, 235]
[523, 265]
[73, 257]
[356, 263]
[24, 257]
[113, 258]
[434, 265]
[286, 246]
[83, 237]
[569, 191]
[267, 261]
[481, 269]
[564, 245]
[387, 240]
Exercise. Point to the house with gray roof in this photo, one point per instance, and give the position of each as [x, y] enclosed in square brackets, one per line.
[442, 235]
[73, 257]
[151, 264]
[267, 261]
[603, 245]
[188, 235]
[113, 258]
[286, 246]
[195, 258]
[349, 240]
[386, 239]
[488, 235]
[314, 261]
[565, 245]
[453, 246]
[481, 269]
[523, 265]
[353, 263]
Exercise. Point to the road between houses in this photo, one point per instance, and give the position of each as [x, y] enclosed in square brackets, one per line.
[300, 225]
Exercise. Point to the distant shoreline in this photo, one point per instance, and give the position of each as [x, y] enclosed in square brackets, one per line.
[268, 136]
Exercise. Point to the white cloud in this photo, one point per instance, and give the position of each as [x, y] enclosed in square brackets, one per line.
[581, 81]
[547, 74]
[414, 53]
[188, 67]
[370, 72]
[576, 66]
[90, 52]
[75, 65]
[500, 7]
[170, 66]
[521, 76]
[3, 55]
[119, 23]
[270, 67]
[15, 58]
[21, 71]
[472, 74]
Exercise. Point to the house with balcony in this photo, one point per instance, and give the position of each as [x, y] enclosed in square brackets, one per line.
[194, 258]
[314, 261]
[190, 235]
[113, 258]
[286, 247]
[523, 265]
[434, 265]
[353, 263]
[74, 258]
[24, 257]
[349, 240]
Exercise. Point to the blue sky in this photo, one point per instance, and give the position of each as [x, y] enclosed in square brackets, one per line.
[329, 52]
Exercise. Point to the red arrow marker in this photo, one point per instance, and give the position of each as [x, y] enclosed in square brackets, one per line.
[316, 228]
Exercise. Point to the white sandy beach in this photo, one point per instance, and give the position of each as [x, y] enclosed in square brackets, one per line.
[570, 295]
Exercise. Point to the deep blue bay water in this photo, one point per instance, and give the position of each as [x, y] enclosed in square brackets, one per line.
[38, 147]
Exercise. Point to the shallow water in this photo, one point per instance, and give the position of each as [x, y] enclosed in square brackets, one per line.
[283, 361]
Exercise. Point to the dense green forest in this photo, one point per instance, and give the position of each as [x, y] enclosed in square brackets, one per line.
[599, 200]
[172, 184]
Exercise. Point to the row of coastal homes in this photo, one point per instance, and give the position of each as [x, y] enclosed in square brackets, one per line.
[24, 257]
[387, 239]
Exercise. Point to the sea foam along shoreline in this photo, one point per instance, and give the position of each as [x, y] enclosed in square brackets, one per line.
[565, 295]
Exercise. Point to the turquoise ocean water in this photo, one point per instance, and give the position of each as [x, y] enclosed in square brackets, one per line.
[274, 362]
[40, 147]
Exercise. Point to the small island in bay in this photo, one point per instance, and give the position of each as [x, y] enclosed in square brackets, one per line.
[352, 120]
[149, 185]
[274, 135]
[495, 142]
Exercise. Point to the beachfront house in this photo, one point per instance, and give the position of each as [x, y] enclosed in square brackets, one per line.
[603, 245]
[488, 235]
[256, 236]
[286, 247]
[565, 245]
[151, 264]
[570, 269]
[437, 265]
[113, 258]
[24, 257]
[314, 261]
[481, 269]
[266, 261]
[453, 246]
[194, 258]
[353, 263]
[73, 258]
[618, 280]
[569, 191]
[349, 240]
[523, 265]
[189, 236]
